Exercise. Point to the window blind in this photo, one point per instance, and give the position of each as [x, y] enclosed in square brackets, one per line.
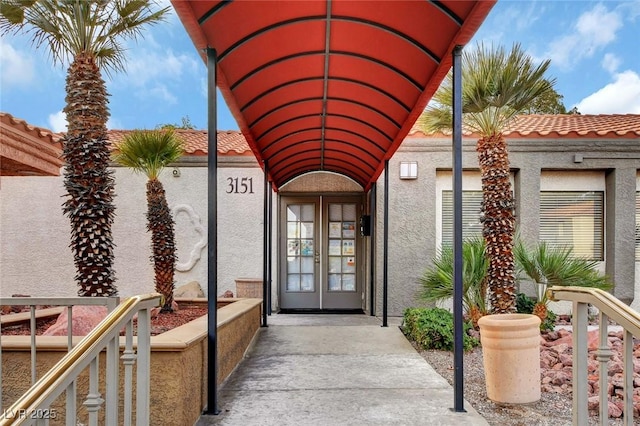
[573, 219]
[471, 207]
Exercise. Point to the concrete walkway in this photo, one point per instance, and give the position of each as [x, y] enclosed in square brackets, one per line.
[335, 370]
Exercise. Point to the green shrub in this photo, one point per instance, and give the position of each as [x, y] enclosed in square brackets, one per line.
[525, 305]
[432, 328]
[437, 281]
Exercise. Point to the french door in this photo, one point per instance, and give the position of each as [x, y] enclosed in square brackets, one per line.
[320, 252]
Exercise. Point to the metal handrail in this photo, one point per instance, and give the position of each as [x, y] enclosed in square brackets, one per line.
[84, 354]
[609, 307]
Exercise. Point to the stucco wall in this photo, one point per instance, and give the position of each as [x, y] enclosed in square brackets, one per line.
[34, 235]
[610, 166]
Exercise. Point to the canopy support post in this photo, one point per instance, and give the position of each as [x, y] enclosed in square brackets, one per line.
[385, 262]
[270, 249]
[265, 245]
[458, 330]
[212, 235]
[372, 248]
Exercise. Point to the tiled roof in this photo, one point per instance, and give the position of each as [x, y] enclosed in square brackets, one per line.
[26, 128]
[616, 126]
[27, 150]
[230, 142]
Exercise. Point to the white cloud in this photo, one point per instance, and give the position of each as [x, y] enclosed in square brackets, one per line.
[622, 96]
[58, 122]
[611, 62]
[16, 68]
[161, 92]
[593, 30]
[148, 66]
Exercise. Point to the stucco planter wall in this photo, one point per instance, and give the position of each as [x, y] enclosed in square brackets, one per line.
[178, 363]
[511, 356]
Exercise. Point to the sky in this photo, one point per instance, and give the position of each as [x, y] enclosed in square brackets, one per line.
[594, 47]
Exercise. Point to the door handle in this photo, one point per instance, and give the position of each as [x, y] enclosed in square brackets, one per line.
[317, 258]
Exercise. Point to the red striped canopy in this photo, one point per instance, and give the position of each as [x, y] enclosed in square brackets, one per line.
[329, 85]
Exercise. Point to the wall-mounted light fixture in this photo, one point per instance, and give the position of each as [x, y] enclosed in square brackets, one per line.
[408, 170]
[175, 172]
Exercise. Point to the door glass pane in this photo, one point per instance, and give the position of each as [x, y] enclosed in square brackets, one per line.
[307, 230]
[342, 247]
[335, 212]
[349, 264]
[335, 264]
[308, 213]
[293, 282]
[293, 212]
[348, 212]
[307, 265]
[306, 282]
[293, 265]
[292, 230]
[300, 247]
[334, 282]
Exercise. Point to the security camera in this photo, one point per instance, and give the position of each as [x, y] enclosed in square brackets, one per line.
[176, 172]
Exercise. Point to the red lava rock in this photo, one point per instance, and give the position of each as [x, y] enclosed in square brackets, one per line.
[614, 411]
[84, 319]
[556, 363]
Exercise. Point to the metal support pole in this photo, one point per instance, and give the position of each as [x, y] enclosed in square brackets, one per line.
[212, 236]
[385, 266]
[265, 244]
[458, 390]
[270, 249]
[372, 245]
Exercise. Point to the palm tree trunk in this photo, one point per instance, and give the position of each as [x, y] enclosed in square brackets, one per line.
[498, 222]
[160, 223]
[88, 181]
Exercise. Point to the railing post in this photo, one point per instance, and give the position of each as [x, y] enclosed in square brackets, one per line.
[579, 323]
[94, 400]
[603, 355]
[143, 368]
[128, 360]
[627, 359]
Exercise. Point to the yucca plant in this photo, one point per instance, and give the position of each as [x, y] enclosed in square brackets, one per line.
[88, 34]
[548, 265]
[148, 152]
[496, 86]
[437, 281]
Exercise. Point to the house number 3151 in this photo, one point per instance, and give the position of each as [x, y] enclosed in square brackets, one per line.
[240, 185]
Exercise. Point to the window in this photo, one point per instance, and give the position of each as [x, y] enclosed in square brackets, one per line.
[637, 225]
[573, 219]
[471, 208]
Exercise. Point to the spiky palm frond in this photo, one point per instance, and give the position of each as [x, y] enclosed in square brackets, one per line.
[496, 86]
[555, 265]
[88, 35]
[71, 28]
[149, 151]
[437, 281]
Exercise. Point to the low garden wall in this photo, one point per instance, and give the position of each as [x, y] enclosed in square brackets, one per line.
[178, 363]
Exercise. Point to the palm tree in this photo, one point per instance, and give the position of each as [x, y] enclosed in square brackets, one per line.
[148, 152]
[556, 266]
[437, 281]
[89, 35]
[497, 85]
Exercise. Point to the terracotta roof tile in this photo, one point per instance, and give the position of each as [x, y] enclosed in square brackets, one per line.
[230, 142]
[38, 132]
[566, 125]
